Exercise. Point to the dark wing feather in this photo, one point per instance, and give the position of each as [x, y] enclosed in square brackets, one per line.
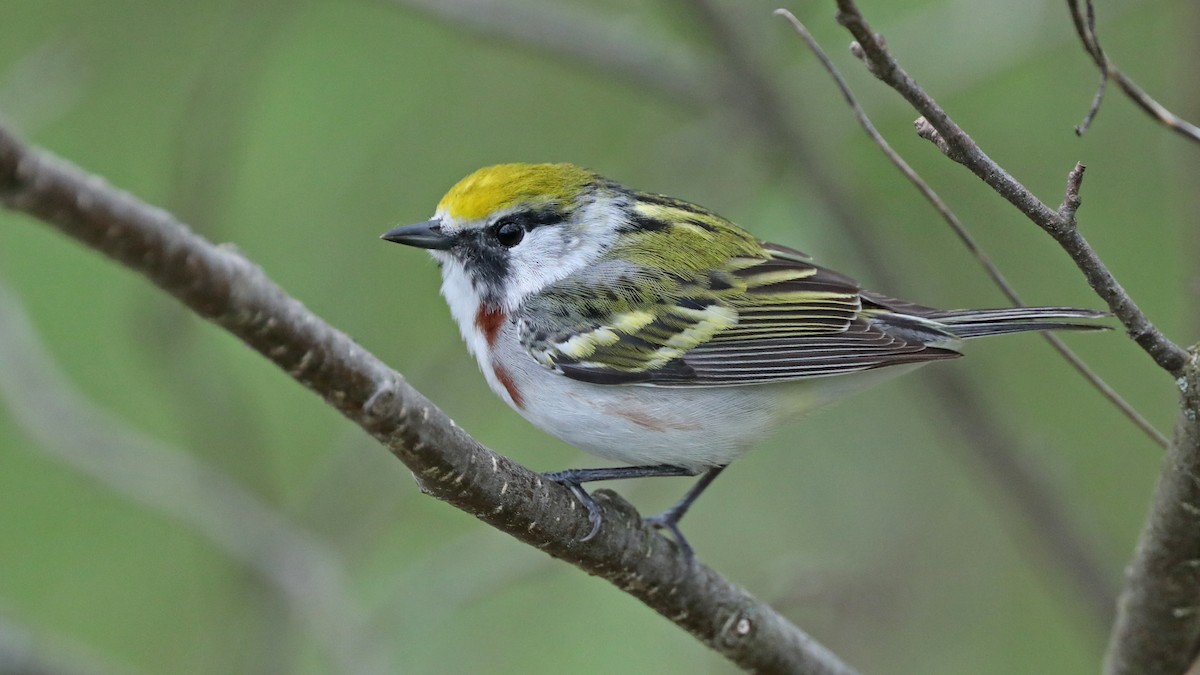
[757, 319]
[863, 346]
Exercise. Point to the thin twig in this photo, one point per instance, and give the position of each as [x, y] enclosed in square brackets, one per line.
[1094, 108]
[1158, 627]
[1032, 494]
[1085, 25]
[225, 288]
[965, 236]
[960, 147]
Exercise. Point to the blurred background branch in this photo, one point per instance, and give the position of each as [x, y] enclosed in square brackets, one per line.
[178, 486]
[620, 49]
[24, 651]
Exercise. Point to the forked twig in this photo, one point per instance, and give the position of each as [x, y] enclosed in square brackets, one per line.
[959, 146]
[1157, 631]
[965, 236]
[1084, 19]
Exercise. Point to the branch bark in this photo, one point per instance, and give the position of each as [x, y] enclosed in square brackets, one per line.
[228, 290]
[1157, 631]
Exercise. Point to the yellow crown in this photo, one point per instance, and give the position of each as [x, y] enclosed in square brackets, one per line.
[502, 186]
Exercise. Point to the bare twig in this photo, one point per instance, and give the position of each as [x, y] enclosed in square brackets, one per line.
[1094, 108]
[1158, 625]
[965, 236]
[1085, 30]
[957, 145]
[178, 486]
[1084, 19]
[1043, 511]
[1157, 631]
[228, 290]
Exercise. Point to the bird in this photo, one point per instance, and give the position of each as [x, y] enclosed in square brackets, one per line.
[654, 333]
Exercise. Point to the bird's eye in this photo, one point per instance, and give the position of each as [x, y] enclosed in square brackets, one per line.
[508, 232]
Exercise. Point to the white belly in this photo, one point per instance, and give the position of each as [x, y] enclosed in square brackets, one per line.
[693, 427]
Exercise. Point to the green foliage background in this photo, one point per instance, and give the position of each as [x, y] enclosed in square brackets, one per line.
[298, 132]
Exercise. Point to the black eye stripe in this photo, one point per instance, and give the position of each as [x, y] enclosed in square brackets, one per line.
[532, 219]
[509, 230]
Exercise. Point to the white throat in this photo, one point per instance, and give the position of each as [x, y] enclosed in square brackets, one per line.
[465, 304]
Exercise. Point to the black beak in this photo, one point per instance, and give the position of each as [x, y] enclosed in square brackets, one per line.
[422, 235]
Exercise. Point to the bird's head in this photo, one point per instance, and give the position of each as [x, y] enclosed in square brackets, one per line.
[512, 229]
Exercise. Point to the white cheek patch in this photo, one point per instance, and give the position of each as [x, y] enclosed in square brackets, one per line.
[554, 252]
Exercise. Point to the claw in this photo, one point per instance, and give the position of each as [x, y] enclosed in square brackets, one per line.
[584, 498]
[572, 479]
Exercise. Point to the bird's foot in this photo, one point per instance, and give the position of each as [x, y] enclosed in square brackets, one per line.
[569, 480]
[669, 520]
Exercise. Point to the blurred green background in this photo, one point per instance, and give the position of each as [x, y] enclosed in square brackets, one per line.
[169, 502]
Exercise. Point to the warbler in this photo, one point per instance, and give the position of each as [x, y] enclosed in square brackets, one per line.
[653, 332]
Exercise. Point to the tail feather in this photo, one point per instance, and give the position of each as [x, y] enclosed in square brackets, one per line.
[973, 323]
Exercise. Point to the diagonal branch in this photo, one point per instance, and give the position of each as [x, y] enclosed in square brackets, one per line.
[950, 138]
[228, 290]
[1157, 631]
[965, 236]
[1033, 496]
